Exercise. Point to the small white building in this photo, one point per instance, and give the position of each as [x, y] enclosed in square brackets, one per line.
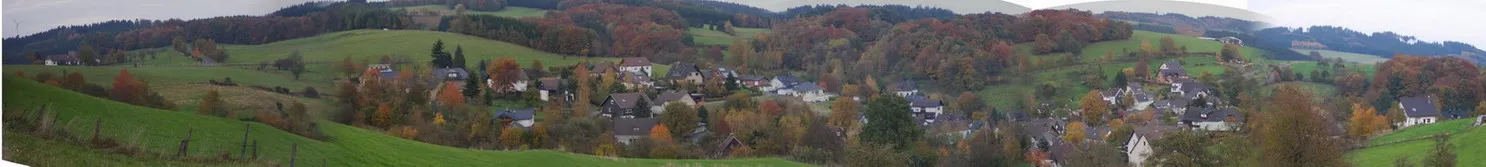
[636, 65]
[926, 108]
[1418, 110]
[781, 82]
[905, 88]
[807, 92]
[630, 130]
[1139, 148]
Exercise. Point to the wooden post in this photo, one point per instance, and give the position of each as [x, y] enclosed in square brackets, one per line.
[255, 149]
[98, 124]
[185, 143]
[246, 128]
[293, 152]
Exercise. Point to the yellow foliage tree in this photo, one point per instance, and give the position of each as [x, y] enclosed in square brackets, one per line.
[660, 133]
[438, 119]
[1074, 132]
[510, 138]
[383, 117]
[1094, 107]
[1360, 124]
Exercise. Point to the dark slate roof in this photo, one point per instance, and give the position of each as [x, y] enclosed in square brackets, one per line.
[443, 73]
[1213, 115]
[788, 80]
[1174, 66]
[904, 85]
[603, 67]
[805, 87]
[920, 101]
[708, 73]
[681, 70]
[1110, 93]
[627, 100]
[1193, 86]
[627, 77]
[1419, 107]
[552, 83]
[1061, 151]
[750, 78]
[1154, 132]
[634, 61]
[633, 126]
[519, 114]
[669, 96]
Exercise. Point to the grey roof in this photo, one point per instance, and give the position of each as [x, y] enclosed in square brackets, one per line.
[1211, 115]
[920, 101]
[750, 78]
[627, 77]
[1173, 65]
[633, 126]
[1193, 86]
[519, 114]
[708, 73]
[627, 100]
[1110, 93]
[670, 96]
[444, 73]
[1154, 132]
[904, 85]
[681, 70]
[634, 61]
[788, 80]
[805, 87]
[551, 83]
[1419, 107]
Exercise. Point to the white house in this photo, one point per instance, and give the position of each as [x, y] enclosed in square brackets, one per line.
[1139, 148]
[550, 88]
[521, 117]
[669, 97]
[781, 82]
[519, 86]
[636, 65]
[1418, 110]
[1112, 96]
[926, 108]
[905, 88]
[630, 130]
[807, 92]
[1212, 119]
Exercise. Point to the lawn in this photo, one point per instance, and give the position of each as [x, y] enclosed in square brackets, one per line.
[25, 149]
[1466, 145]
[1352, 57]
[509, 11]
[161, 131]
[702, 36]
[1094, 51]
[165, 76]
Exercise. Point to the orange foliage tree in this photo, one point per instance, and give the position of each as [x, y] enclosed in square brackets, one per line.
[660, 133]
[383, 116]
[449, 96]
[503, 72]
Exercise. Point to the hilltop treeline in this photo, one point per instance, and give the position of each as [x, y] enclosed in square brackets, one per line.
[293, 22]
[1383, 44]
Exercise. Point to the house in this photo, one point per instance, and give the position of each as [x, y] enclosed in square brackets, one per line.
[1142, 100]
[518, 86]
[1208, 119]
[904, 88]
[551, 88]
[520, 117]
[926, 108]
[727, 145]
[669, 97]
[69, 59]
[1192, 88]
[601, 68]
[1418, 110]
[1170, 72]
[632, 80]
[636, 65]
[1112, 96]
[685, 73]
[1231, 40]
[725, 72]
[782, 81]
[752, 81]
[630, 130]
[451, 74]
[1178, 105]
[384, 71]
[807, 92]
[1139, 148]
[625, 105]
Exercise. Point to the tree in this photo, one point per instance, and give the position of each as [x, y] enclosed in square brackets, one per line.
[125, 88]
[1441, 156]
[1360, 124]
[585, 89]
[74, 82]
[1093, 107]
[1230, 53]
[1168, 46]
[1074, 132]
[441, 58]
[1481, 108]
[349, 67]
[87, 54]
[1043, 44]
[511, 137]
[680, 116]
[844, 113]
[890, 123]
[660, 133]
[211, 104]
[1182, 148]
[1142, 67]
[449, 96]
[383, 116]
[970, 103]
[458, 57]
[1294, 135]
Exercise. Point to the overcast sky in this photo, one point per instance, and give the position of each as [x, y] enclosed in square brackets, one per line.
[1429, 20]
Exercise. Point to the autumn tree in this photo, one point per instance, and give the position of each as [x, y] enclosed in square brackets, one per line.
[1295, 135]
[511, 137]
[1093, 107]
[681, 116]
[1481, 108]
[968, 102]
[844, 113]
[889, 122]
[450, 97]
[1361, 123]
[125, 88]
[383, 116]
[503, 72]
[1182, 148]
[660, 133]
[1074, 132]
[1230, 53]
[1043, 44]
[584, 92]
[211, 104]
[349, 67]
[1168, 46]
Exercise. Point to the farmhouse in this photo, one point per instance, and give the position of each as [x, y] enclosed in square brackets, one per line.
[632, 80]
[807, 92]
[630, 130]
[752, 81]
[1418, 110]
[598, 70]
[625, 105]
[69, 59]
[636, 65]
[521, 117]
[781, 82]
[551, 88]
[666, 98]
[1171, 72]
[925, 108]
[1139, 148]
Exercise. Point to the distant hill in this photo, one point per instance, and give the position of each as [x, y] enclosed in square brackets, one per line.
[958, 6]
[1384, 44]
[1182, 24]
[1166, 6]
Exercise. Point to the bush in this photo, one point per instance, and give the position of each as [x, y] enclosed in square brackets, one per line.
[310, 92]
[812, 155]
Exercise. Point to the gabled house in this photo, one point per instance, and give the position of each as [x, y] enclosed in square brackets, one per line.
[685, 73]
[726, 146]
[1112, 96]
[625, 105]
[632, 80]
[782, 81]
[384, 71]
[1139, 148]
[551, 88]
[1213, 119]
[636, 65]
[518, 86]
[1170, 72]
[1231, 40]
[926, 108]
[520, 117]
[713, 72]
[1190, 88]
[807, 92]
[451, 74]
[658, 107]
[630, 130]
[599, 69]
[1418, 110]
[905, 88]
[752, 81]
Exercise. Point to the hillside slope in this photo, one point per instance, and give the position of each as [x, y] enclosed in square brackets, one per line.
[161, 131]
[1467, 142]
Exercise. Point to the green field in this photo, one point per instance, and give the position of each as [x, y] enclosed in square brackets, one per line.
[1352, 57]
[161, 131]
[1469, 144]
[703, 36]
[165, 76]
[30, 150]
[1094, 51]
[509, 11]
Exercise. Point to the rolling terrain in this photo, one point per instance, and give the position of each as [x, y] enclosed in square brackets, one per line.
[1466, 141]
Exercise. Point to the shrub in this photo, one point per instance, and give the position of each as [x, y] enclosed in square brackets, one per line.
[310, 92]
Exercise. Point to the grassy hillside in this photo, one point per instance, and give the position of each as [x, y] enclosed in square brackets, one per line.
[1094, 51]
[1468, 144]
[161, 131]
[25, 149]
[1352, 57]
[509, 11]
[704, 36]
[165, 76]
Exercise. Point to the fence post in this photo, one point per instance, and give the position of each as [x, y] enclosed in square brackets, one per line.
[246, 129]
[293, 153]
[185, 143]
[97, 124]
[255, 149]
